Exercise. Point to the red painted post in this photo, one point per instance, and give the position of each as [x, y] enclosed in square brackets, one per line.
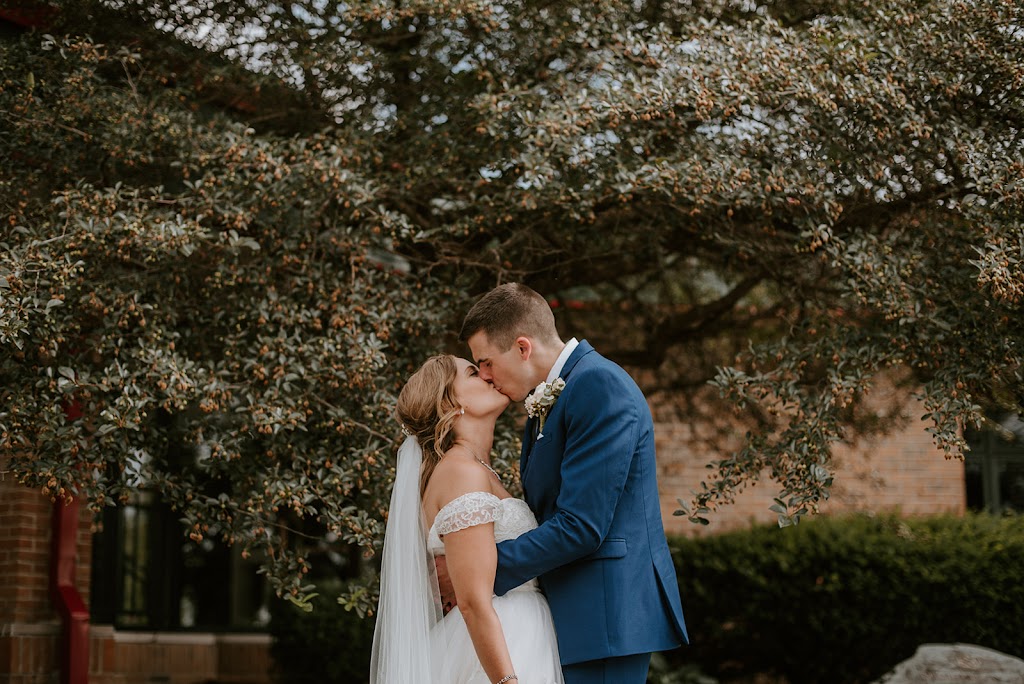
[74, 667]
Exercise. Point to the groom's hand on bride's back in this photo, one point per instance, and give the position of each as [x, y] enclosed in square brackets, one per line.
[444, 584]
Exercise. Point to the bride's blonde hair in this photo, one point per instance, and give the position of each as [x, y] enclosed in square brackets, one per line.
[427, 409]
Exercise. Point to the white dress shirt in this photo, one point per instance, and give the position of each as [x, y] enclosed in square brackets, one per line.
[567, 351]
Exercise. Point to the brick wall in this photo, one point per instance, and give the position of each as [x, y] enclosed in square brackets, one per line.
[28, 624]
[904, 472]
[28, 653]
[24, 554]
[178, 658]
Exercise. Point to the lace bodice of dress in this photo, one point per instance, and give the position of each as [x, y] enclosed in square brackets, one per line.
[511, 518]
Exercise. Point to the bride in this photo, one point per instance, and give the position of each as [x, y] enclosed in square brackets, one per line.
[448, 501]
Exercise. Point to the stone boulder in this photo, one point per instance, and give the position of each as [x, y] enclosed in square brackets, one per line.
[956, 664]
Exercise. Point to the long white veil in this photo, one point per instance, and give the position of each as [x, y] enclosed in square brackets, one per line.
[410, 605]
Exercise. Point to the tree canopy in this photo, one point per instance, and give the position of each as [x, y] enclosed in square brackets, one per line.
[231, 229]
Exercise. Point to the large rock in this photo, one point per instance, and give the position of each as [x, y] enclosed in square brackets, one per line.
[957, 664]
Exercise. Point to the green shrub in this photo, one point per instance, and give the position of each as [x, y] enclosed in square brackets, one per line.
[844, 599]
[328, 645]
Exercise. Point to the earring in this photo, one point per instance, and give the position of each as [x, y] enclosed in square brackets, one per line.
[462, 411]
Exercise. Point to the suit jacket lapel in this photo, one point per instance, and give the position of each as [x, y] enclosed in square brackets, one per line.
[582, 349]
[530, 431]
[524, 455]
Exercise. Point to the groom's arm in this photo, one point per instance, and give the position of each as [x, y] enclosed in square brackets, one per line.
[601, 433]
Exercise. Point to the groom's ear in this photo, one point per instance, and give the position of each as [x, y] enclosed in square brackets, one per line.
[524, 347]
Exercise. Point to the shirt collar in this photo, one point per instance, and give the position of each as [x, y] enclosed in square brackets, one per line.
[567, 351]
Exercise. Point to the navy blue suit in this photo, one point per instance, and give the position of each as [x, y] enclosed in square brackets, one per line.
[600, 551]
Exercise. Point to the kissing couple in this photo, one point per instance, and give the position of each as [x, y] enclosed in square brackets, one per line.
[573, 583]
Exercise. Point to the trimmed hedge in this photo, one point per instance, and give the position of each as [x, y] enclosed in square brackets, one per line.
[844, 599]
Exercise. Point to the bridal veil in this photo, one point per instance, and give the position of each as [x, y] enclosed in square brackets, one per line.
[408, 640]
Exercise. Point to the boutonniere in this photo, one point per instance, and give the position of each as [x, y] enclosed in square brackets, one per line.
[539, 403]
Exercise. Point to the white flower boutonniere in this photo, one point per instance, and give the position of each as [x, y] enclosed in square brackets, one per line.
[539, 403]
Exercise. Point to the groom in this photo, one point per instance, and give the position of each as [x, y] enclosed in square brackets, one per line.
[589, 474]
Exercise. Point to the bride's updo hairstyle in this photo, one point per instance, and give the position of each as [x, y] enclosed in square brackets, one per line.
[427, 409]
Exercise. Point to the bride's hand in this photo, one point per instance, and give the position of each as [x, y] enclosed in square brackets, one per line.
[444, 584]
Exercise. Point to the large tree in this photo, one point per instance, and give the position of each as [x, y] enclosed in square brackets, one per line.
[232, 228]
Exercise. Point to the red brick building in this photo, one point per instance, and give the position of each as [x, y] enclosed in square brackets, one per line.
[901, 472]
[33, 633]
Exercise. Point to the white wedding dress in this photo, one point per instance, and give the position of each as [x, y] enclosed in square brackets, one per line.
[523, 611]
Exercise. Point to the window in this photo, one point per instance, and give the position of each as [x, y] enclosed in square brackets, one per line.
[148, 575]
[994, 468]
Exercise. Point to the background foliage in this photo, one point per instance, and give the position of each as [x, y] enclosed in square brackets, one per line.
[846, 599]
[238, 225]
[173, 278]
[329, 645]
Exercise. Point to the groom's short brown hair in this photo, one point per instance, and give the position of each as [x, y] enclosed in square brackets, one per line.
[510, 311]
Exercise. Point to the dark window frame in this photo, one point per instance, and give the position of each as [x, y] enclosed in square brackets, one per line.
[994, 467]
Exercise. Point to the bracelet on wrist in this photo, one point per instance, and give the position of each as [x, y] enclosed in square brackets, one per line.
[507, 678]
